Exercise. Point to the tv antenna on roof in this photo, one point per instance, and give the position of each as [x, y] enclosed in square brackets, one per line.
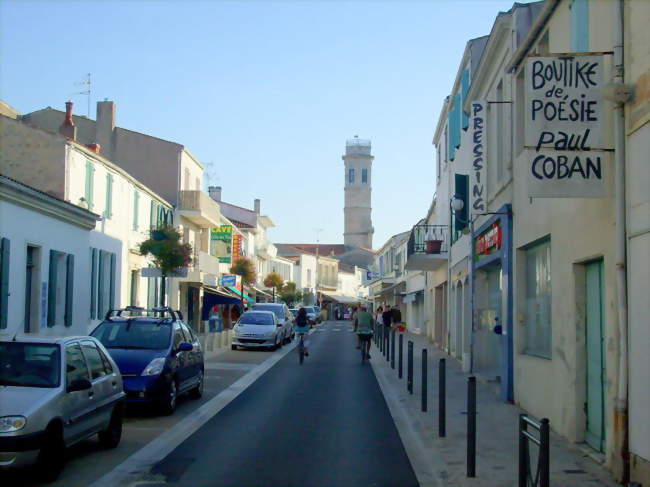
[86, 92]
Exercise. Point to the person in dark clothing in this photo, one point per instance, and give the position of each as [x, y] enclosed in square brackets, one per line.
[396, 315]
[387, 316]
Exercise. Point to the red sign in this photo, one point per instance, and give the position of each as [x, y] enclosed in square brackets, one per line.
[490, 240]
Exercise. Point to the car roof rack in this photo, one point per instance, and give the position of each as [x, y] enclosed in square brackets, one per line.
[162, 312]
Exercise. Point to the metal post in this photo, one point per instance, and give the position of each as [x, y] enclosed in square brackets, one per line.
[392, 350]
[401, 358]
[381, 338]
[544, 454]
[471, 426]
[442, 400]
[424, 380]
[388, 344]
[523, 453]
[409, 368]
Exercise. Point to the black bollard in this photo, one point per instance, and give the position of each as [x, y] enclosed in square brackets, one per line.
[424, 380]
[471, 426]
[401, 353]
[544, 454]
[442, 399]
[392, 350]
[409, 368]
[387, 344]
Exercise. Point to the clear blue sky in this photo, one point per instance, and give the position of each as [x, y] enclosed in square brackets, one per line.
[264, 93]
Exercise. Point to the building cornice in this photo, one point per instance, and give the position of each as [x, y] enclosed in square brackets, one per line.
[33, 199]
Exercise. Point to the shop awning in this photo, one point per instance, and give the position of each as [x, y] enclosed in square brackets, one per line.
[262, 291]
[342, 299]
[213, 296]
[238, 293]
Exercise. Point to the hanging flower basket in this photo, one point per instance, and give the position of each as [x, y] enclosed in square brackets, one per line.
[433, 246]
[401, 327]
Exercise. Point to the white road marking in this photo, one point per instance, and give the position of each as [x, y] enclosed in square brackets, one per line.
[229, 366]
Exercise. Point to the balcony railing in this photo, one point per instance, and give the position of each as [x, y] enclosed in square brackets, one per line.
[199, 208]
[428, 239]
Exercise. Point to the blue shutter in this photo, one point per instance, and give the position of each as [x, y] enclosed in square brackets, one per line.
[51, 289]
[580, 25]
[93, 285]
[69, 290]
[461, 191]
[5, 253]
[454, 127]
[112, 284]
[108, 211]
[464, 90]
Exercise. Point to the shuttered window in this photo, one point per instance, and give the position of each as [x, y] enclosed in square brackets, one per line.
[464, 86]
[579, 25]
[538, 299]
[136, 210]
[90, 177]
[364, 176]
[94, 278]
[454, 127]
[108, 209]
[5, 254]
[60, 302]
[351, 175]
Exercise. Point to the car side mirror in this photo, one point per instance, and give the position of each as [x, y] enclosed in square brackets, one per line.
[79, 385]
[185, 347]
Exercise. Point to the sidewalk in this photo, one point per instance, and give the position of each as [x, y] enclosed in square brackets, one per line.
[442, 461]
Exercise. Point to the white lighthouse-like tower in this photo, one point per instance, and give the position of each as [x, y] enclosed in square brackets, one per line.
[358, 190]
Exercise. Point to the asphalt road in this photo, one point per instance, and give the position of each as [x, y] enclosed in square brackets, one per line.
[324, 423]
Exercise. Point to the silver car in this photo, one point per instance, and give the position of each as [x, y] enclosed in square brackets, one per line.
[284, 317]
[55, 392]
[258, 329]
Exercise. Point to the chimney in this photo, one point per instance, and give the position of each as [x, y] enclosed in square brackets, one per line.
[105, 126]
[256, 206]
[68, 128]
[95, 147]
[215, 192]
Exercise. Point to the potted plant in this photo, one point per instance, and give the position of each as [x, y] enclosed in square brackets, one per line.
[433, 243]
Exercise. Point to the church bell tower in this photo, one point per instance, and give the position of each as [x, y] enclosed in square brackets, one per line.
[358, 189]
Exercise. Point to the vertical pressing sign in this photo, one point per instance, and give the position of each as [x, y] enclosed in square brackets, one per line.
[564, 122]
[221, 243]
[477, 181]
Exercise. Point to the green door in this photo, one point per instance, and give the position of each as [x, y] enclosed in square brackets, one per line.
[595, 356]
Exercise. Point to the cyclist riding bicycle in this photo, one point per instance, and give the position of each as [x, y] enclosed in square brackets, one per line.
[365, 322]
[302, 328]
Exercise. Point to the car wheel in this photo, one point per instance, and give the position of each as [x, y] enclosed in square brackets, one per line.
[51, 458]
[169, 404]
[233, 347]
[197, 392]
[111, 436]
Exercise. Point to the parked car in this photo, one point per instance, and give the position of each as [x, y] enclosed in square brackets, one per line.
[159, 356]
[258, 329]
[54, 393]
[284, 317]
[312, 315]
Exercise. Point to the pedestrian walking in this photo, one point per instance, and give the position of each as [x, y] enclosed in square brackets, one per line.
[396, 316]
[387, 317]
[378, 317]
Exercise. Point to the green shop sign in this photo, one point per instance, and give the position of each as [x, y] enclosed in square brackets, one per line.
[221, 243]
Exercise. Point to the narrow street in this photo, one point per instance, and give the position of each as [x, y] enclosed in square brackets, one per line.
[325, 423]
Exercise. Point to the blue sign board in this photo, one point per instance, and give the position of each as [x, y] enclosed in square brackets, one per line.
[229, 280]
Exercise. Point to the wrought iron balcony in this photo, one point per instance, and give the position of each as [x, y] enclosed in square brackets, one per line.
[427, 247]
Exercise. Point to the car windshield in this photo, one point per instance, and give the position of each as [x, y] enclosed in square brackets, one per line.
[148, 335]
[309, 309]
[277, 310]
[253, 318]
[29, 364]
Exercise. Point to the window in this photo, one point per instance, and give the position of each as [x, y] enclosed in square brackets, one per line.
[108, 368]
[178, 336]
[94, 360]
[75, 365]
[108, 209]
[4, 281]
[105, 277]
[134, 288]
[351, 175]
[538, 299]
[60, 289]
[136, 210]
[579, 25]
[32, 289]
[90, 176]
[189, 336]
[364, 176]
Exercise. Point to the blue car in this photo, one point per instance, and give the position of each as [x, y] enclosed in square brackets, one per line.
[158, 355]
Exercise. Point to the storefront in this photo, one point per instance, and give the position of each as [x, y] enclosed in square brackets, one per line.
[492, 304]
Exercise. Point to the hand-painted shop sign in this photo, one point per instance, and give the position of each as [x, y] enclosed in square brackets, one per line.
[564, 126]
[221, 243]
[477, 181]
[489, 241]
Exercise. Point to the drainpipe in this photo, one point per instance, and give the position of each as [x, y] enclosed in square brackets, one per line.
[621, 430]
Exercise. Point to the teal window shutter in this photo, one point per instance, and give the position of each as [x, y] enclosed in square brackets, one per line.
[461, 192]
[108, 210]
[579, 25]
[457, 110]
[90, 175]
[464, 90]
[69, 289]
[5, 254]
[51, 289]
[136, 209]
[112, 283]
[93, 285]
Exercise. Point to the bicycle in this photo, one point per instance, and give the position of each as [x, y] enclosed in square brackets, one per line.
[365, 348]
[301, 348]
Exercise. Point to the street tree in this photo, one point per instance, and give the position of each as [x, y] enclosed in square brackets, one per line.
[244, 268]
[290, 294]
[169, 253]
[274, 280]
